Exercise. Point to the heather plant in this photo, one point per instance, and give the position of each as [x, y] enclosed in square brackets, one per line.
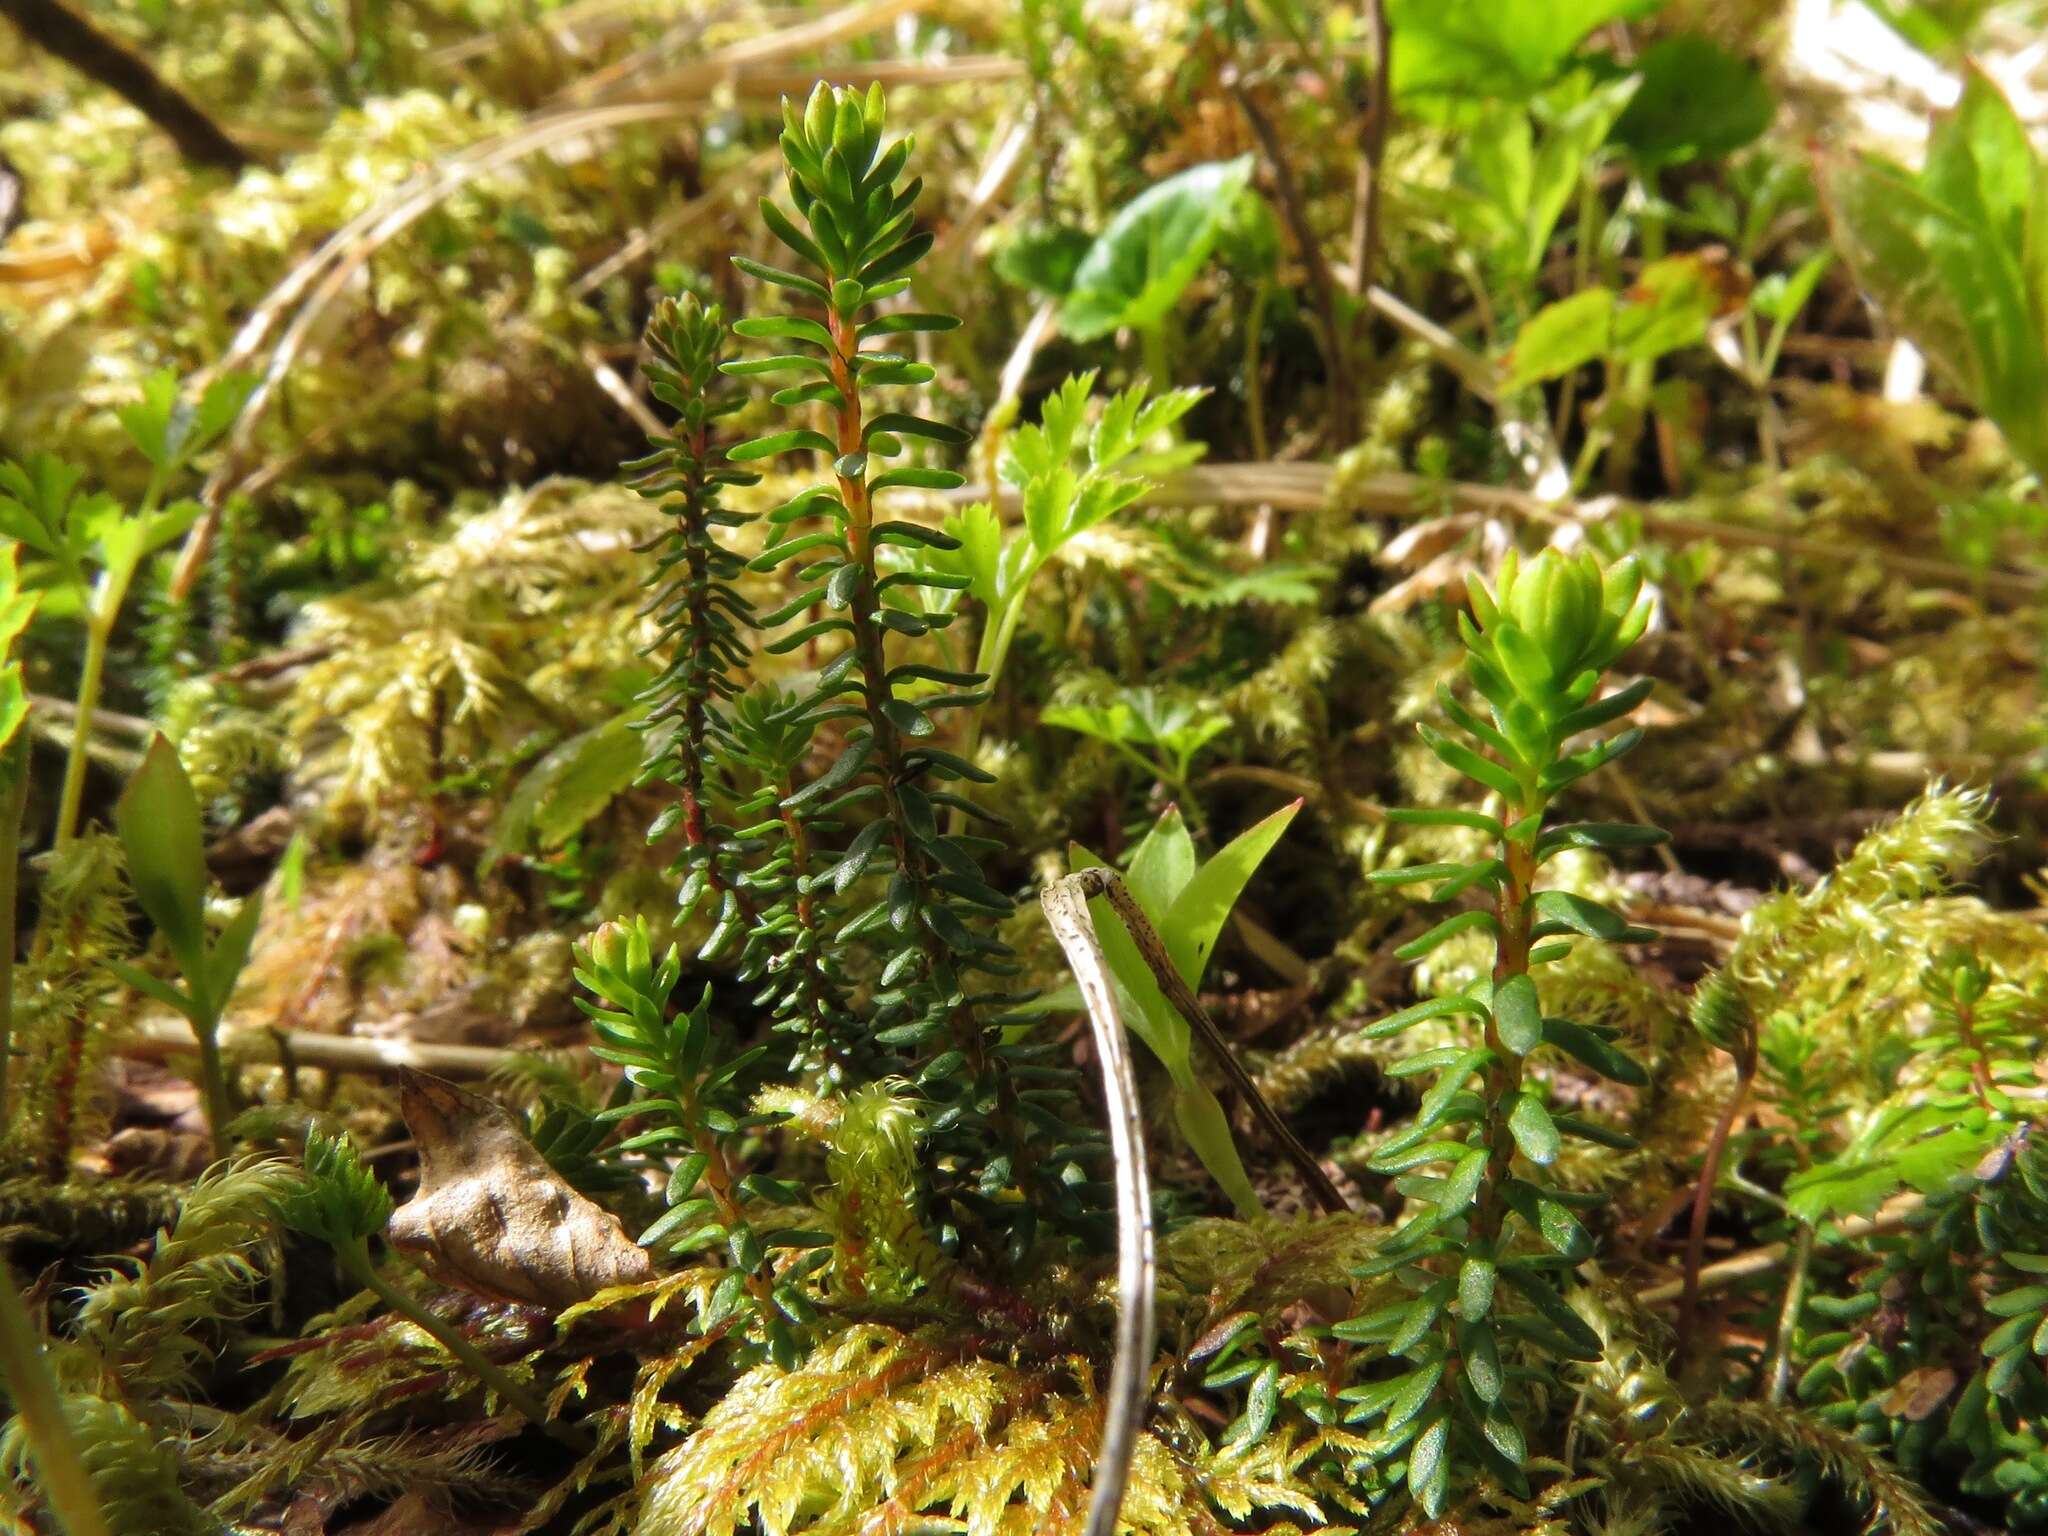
[1488, 1253]
[1002, 1120]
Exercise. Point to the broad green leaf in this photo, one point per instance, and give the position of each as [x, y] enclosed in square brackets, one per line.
[1980, 162]
[1139, 266]
[39, 507]
[1857, 1183]
[169, 523]
[1779, 298]
[230, 951]
[154, 987]
[575, 781]
[1448, 52]
[152, 422]
[1698, 101]
[1957, 257]
[1521, 164]
[1570, 142]
[1197, 915]
[1563, 337]
[158, 819]
[1144, 717]
[16, 606]
[13, 702]
[219, 404]
[1044, 257]
[1941, 29]
[980, 537]
[1667, 309]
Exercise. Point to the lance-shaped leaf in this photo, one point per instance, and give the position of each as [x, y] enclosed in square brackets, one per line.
[162, 834]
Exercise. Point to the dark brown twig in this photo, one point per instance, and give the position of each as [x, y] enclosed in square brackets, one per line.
[1343, 422]
[57, 29]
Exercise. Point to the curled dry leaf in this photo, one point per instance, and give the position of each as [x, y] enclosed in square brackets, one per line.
[492, 1217]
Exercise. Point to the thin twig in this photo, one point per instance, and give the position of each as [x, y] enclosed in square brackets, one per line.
[111, 721]
[620, 392]
[1109, 885]
[1788, 1317]
[1761, 1261]
[159, 1039]
[1372, 151]
[1343, 423]
[1066, 909]
[1305, 487]
[272, 663]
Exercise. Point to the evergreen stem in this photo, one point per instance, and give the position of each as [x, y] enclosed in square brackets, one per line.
[875, 692]
[719, 1181]
[1504, 1077]
[941, 973]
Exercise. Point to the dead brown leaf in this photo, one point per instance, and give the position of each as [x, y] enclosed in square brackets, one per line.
[492, 1217]
[1918, 1393]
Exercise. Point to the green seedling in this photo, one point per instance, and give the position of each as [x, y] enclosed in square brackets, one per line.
[163, 835]
[1188, 902]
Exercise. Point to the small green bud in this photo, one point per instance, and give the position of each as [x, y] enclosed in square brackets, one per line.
[1721, 1016]
[610, 947]
[1550, 627]
[341, 1201]
[818, 116]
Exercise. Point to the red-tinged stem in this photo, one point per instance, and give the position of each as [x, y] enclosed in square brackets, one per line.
[967, 1032]
[696, 832]
[1703, 1194]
